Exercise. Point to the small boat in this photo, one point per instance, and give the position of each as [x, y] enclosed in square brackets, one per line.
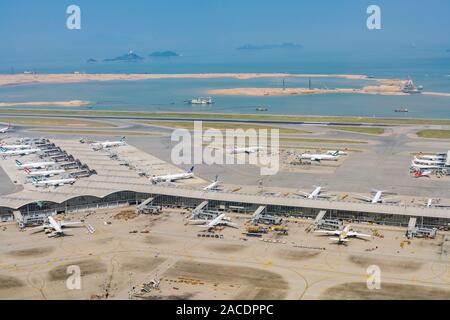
[401, 110]
[262, 109]
[201, 100]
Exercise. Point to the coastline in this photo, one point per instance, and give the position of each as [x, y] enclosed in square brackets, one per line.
[70, 103]
[24, 79]
[384, 87]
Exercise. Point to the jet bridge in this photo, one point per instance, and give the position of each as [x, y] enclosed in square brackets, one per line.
[320, 216]
[200, 207]
[260, 217]
[147, 207]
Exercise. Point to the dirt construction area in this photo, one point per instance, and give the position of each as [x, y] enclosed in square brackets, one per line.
[165, 257]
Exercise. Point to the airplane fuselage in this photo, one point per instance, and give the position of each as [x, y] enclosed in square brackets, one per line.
[18, 152]
[36, 165]
[173, 177]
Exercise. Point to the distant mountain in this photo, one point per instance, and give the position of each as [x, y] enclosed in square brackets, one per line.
[130, 56]
[164, 54]
[90, 60]
[287, 45]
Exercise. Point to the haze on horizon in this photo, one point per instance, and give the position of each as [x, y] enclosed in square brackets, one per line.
[36, 30]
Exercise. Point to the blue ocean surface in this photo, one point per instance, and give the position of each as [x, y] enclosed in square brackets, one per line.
[431, 70]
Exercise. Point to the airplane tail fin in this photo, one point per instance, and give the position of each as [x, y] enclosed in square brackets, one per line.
[123, 139]
[336, 153]
[2, 149]
[191, 169]
[27, 170]
[18, 163]
[34, 179]
[217, 178]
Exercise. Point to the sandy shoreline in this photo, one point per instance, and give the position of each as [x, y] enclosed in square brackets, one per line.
[385, 87]
[70, 103]
[18, 79]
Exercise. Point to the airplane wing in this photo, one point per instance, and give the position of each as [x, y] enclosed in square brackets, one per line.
[198, 221]
[357, 234]
[326, 196]
[334, 232]
[39, 227]
[390, 200]
[303, 194]
[68, 224]
[364, 198]
[229, 224]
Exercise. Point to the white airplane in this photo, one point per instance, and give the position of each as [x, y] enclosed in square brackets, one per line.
[213, 186]
[425, 166]
[426, 161]
[439, 156]
[377, 198]
[343, 235]
[420, 174]
[173, 177]
[6, 129]
[339, 152]
[319, 157]
[45, 173]
[57, 227]
[34, 165]
[23, 152]
[109, 144]
[434, 203]
[16, 147]
[221, 220]
[316, 193]
[52, 183]
[248, 150]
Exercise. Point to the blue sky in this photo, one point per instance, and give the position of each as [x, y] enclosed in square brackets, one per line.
[30, 28]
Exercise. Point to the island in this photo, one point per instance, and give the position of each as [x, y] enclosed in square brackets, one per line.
[164, 54]
[130, 56]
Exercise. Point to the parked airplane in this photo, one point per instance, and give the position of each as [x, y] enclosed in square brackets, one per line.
[248, 150]
[6, 129]
[427, 161]
[319, 157]
[420, 174]
[57, 227]
[109, 144]
[53, 183]
[221, 220]
[439, 156]
[377, 198]
[45, 173]
[425, 166]
[16, 147]
[213, 186]
[343, 235]
[339, 152]
[434, 203]
[173, 177]
[316, 193]
[34, 165]
[23, 152]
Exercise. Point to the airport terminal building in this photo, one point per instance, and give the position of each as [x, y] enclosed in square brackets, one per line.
[30, 210]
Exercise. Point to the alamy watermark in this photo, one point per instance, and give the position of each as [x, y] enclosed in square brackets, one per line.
[73, 22]
[231, 146]
[73, 282]
[374, 20]
[373, 274]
